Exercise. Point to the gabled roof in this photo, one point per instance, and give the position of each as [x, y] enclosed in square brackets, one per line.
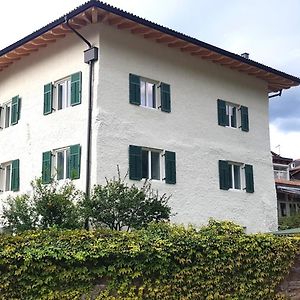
[96, 11]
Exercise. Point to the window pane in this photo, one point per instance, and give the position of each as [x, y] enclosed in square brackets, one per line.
[145, 166]
[155, 166]
[59, 96]
[233, 117]
[60, 165]
[7, 116]
[237, 177]
[230, 176]
[149, 94]
[67, 163]
[7, 177]
[143, 93]
[68, 93]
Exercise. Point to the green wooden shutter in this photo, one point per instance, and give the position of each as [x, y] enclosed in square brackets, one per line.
[135, 162]
[249, 179]
[74, 161]
[46, 167]
[134, 89]
[224, 175]
[244, 118]
[15, 175]
[15, 110]
[223, 118]
[48, 98]
[76, 88]
[170, 167]
[165, 97]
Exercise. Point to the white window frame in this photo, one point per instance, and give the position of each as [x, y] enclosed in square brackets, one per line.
[160, 152]
[156, 94]
[242, 175]
[3, 115]
[229, 113]
[4, 185]
[66, 152]
[67, 99]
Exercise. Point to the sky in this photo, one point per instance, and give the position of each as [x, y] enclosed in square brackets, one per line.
[269, 30]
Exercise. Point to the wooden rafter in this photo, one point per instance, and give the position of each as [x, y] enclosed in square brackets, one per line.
[178, 44]
[126, 25]
[153, 35]
[140, 30]
[166, 39]
[86, 17]
[94, 15]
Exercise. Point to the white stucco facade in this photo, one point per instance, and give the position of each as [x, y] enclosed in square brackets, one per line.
[190, 130]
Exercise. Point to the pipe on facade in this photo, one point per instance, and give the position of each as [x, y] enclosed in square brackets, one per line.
[276, 95]
[90, 56]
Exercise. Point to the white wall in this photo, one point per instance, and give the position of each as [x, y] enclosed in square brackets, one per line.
[36, 133]
[191, 129]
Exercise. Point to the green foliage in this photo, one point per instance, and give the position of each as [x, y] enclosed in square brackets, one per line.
[289, 222]
[118, 205]
[50, 205]
[18, 214]
[158, 262]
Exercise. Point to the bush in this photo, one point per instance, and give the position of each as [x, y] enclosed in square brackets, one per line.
[50, 205]
[117, 205]
[160, 262]
[289, 222]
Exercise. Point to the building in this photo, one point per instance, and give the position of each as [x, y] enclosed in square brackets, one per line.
[287, 185]
[189, 115]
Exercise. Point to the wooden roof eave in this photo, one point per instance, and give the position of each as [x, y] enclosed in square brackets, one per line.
[95, 14]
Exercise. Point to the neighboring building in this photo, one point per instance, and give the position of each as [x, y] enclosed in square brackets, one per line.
[188, 115]
[287, 187]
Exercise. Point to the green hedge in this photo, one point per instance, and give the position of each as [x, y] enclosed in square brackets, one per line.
[162, 262]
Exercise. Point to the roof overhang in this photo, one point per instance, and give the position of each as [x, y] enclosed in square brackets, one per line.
[98, 12]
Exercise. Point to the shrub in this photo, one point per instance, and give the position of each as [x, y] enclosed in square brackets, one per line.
[18, 214]
[159, 262]
[289, 222]
[118, 205]
[51, 205]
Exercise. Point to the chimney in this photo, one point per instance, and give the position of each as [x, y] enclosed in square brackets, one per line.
[245, 55]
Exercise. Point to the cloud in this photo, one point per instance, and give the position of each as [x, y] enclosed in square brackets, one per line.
[285, 111]
[289, 142]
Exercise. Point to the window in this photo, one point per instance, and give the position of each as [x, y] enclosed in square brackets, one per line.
[10, 113]
[231, 112]
[63, 93]
[151, 164]
[9, 176]
[61, 163]
[232, 115]
[236, 181]
[237, 176]
[149, 93]
[281, 172]
[5, 115]
[147, 163]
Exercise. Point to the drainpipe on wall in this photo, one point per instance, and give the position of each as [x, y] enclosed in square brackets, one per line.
[90, 56]
[276, 95]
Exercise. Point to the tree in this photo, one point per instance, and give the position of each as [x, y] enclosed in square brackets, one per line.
[119, 206]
